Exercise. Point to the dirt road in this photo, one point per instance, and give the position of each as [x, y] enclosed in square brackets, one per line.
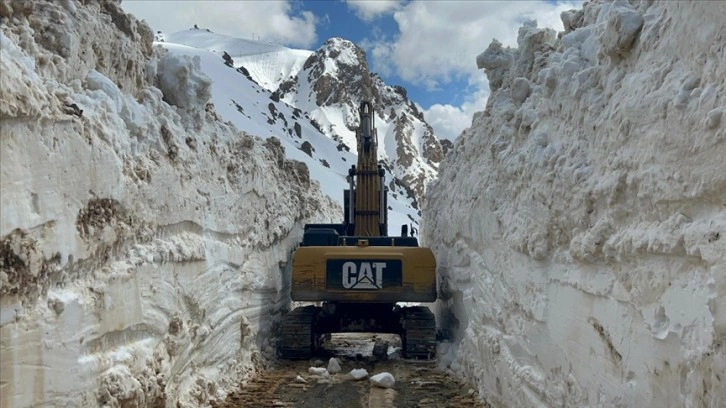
[418, 383]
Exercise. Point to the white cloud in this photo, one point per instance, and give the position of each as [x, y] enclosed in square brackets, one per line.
[368, 10]
[448, 121]
[273, 21]
[438, 42]
[378, 53]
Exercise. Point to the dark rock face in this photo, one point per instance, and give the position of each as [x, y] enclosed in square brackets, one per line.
[446, 146]
[350, 77]
[431, 148]
[404, 150]
[286, 87]
[307, 148]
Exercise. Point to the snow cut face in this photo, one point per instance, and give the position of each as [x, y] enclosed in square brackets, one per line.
[579, 222]
[143, 240]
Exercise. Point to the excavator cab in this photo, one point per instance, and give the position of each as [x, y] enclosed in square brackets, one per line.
[357, 272]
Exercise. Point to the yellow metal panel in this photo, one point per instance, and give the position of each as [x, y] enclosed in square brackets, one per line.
[418, 279]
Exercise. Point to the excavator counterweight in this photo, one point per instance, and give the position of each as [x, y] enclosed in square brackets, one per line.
[357, 271]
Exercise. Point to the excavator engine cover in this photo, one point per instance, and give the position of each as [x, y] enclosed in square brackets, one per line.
[379, 274]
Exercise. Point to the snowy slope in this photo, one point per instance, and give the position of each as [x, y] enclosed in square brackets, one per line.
[580, 223]
[143, 240]
[240, 99]
[268, 64]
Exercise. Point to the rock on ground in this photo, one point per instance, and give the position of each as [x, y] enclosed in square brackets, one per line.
[383, 380]
[358, 373]
[334, 366]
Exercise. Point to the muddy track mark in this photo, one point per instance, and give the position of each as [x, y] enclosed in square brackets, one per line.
[418, 383]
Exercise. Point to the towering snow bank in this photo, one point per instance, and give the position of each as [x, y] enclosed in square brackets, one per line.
[142, 240]
[580, 223]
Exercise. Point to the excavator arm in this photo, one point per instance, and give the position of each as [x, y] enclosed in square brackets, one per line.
[368, 215]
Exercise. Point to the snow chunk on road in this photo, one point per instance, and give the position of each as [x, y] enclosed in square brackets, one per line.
[318, 371]
[359, 373]
[383, 380]
[333, 366]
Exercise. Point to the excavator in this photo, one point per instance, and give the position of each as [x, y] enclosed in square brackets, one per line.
[355, 274]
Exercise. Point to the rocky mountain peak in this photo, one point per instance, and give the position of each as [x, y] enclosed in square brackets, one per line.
[336, 69]
[343, 51]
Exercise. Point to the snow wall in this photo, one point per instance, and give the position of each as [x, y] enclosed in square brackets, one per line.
[580, 222]
[142, 240]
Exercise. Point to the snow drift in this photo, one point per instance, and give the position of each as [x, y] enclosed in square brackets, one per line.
[142, 240]
[580, 222]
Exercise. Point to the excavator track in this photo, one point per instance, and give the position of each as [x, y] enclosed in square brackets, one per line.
[298, 339]
[418, 336]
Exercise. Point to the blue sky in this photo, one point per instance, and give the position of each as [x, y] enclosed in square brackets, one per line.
[429, 47]
[340, 20]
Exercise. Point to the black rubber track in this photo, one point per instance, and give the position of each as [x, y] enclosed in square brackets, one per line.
[418, 336]
[296, 340]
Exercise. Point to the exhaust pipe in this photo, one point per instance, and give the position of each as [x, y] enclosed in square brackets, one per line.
[351, 195]
[382, 210]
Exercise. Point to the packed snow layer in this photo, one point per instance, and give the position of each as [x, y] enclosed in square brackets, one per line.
[143, 242]
[580, 222]
[267, 64]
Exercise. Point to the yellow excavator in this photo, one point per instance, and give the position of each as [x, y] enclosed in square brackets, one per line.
[357, 272]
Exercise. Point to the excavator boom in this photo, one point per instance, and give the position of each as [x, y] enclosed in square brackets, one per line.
[369, 187]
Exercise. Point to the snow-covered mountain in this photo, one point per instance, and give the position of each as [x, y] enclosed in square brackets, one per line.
[580, 222]
[310, 99]
[331, 84]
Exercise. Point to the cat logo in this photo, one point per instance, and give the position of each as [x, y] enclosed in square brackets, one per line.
[363, 275]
